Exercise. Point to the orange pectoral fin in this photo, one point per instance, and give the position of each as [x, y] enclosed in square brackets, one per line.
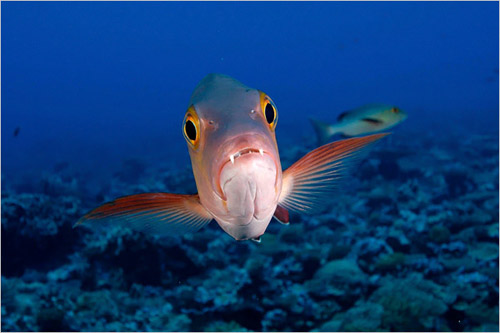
[312, 179]
[152, 213]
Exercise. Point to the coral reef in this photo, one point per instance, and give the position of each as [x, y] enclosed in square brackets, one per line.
[411, 244]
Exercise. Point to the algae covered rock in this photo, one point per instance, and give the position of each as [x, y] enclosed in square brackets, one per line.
[439, 234]
[221, 287]
[37, 231]
[341, 271]
[484, 251]
[389, 262]
[338, 278]
[400, 254]
[222, 326]
[363, 317]
[51, 319]
[411, 303]
[481, 312]
[274, 319]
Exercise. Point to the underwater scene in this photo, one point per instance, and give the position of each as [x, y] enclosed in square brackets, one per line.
[250, 166]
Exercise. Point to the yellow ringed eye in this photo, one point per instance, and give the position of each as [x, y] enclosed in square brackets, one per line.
[191, 127]
[270, 113]
[395, 110]
[190, 130]
[269, 110]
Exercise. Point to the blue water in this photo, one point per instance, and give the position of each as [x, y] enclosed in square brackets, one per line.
[93, 97]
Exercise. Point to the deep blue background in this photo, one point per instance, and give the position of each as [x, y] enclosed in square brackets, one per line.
[91, 83]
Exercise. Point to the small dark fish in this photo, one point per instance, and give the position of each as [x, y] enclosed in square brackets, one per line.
[16, 131]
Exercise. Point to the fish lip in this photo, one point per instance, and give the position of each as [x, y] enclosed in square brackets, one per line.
[244, 151]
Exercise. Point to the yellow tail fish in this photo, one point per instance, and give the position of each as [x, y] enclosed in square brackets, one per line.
[366, 119]
[230, 134]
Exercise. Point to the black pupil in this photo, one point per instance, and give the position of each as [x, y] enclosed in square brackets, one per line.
[190, 130]
[269, 113]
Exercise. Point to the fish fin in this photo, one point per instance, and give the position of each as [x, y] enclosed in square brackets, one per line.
[281, 214]
[152, 213]
[324, 131]
[342, 115]
[312, 179]
[372, 121]
[256, 239]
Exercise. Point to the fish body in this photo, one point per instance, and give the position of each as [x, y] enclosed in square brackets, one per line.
[230, 133]
[366, 119]
[235, 161]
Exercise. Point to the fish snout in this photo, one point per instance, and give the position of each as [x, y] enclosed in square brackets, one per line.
[238, 148]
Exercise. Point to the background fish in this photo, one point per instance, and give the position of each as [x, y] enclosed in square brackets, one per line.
[230, 131]
[363, 120]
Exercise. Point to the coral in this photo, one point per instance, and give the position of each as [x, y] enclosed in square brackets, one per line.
[389, 262]
[221, 326]
[420, 263]
[274, 319]
[364, 316]
[484, 251]
[341, 279]
[439, 234]
[56, 185]
[51, 319]
[37, 231]
[458, 181]
[220, 287]
[413, 250]
[481, 312]
[411, 303]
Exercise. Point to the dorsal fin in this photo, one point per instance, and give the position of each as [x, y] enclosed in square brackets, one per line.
[342, 115]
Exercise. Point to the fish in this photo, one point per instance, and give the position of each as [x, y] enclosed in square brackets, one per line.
[16, 131]
[230, 133]
[366, 119]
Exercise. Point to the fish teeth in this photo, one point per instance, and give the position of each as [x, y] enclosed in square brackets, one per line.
[231, 157]
[261, 151]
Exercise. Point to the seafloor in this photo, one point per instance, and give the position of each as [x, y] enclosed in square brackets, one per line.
[410, 244]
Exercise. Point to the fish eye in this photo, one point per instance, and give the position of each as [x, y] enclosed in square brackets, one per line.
[395, 110]
[191, 128]
[269, 111]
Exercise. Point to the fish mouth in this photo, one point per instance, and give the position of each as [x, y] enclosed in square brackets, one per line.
[232, 158]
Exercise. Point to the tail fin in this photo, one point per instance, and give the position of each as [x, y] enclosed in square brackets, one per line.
[324, 131]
